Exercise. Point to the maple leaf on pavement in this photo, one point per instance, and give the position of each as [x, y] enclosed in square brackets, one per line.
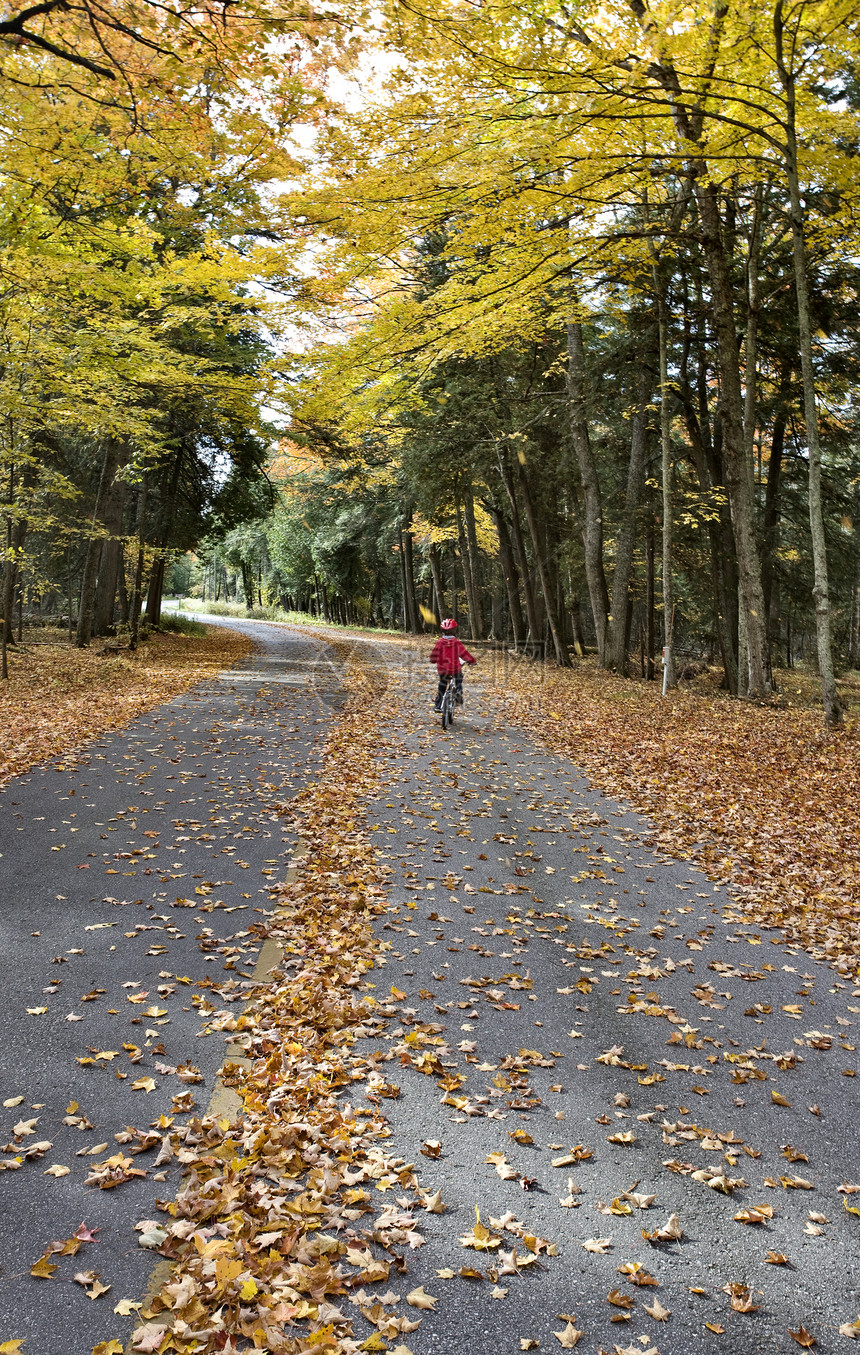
[569, 1337]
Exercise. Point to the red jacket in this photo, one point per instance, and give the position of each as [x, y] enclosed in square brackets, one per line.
[448, 653]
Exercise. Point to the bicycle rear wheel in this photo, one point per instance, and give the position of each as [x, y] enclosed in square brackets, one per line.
[447, 708]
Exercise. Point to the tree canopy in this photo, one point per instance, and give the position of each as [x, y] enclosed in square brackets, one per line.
[556, 312]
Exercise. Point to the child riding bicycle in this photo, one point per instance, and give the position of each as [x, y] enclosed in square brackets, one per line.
[449, 655]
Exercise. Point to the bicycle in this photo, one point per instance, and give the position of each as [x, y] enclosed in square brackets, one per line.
[449, 701]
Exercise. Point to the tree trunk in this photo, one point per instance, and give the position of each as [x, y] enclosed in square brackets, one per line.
[168, 500]
[592, 516]
[511, 577]
[473, 560]
[12, 580]
[155, 592]
[434, 556]
[472, 606]
[707, 456]
[86, 602]
[519, 547]
[137, 589]
[122, 592]
[854, 640]
[668, 580]
[8, 577]
[69, 592]
[649, 605]
[617, 645]
[737, 479]
[577, 627]
[403, 589]
[743, 650]
[770, 527]
[247, 584]
[562, 657]
[821, 588]
[409, 575]
[111, 557]
[750, 420]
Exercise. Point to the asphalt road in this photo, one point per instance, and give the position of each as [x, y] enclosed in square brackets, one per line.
[536, 933]
[130, 879]
[579, 985]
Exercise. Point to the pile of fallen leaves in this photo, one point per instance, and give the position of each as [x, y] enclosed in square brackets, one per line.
[59, 697]
[761, 797]
[285, 1219]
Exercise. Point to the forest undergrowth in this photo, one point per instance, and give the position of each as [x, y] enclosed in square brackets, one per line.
[760, 795]
[59, 697]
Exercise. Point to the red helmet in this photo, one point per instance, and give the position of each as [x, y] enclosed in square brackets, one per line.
[448, 624]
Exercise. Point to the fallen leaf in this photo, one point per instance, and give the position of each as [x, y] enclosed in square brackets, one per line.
[569, 1337]
[741, 1297]
[418, 1299]
[758, 1213]
[57, 1170]
[670, 1232]
[803, 1337]
[640, 1201]
[43, 1269]
[148, 1338]
[598, 1244]
[657, 1311]
[619, 1300]
[126, 1307]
